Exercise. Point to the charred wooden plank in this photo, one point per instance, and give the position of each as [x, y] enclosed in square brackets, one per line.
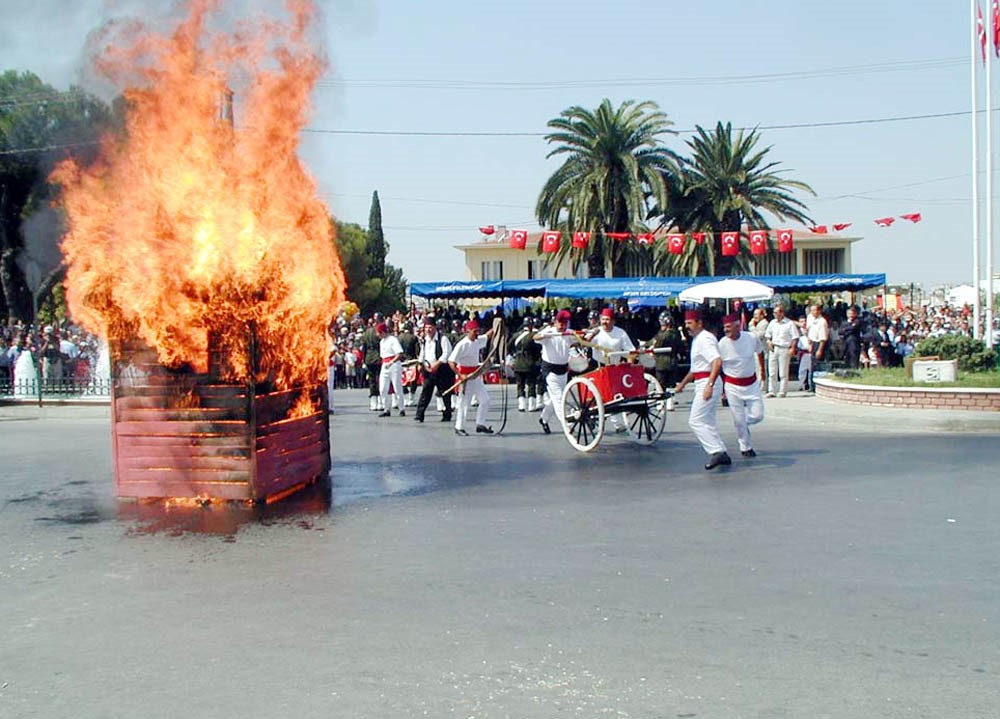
[190, 442]
[146, 489]
[173, 460]
[209, 429]
[180, 414]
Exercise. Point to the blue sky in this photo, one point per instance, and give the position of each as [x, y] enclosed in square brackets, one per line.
[435, 67]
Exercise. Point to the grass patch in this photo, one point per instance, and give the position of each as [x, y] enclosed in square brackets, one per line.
[896, 377]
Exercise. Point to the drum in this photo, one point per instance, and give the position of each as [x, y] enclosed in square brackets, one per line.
[647, 360]
[578, 360]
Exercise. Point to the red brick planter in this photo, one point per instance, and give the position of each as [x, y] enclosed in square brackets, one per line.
[967, 398]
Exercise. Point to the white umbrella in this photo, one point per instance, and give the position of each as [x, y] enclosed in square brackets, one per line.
[728, 289]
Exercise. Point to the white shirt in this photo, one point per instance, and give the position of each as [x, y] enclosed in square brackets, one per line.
[759, 327]
[614, 340]
[389, 346]
[782, 333]
[429, 354]
[739, 356]
[555, 345]
[817, 328]
[704, 351]
[466, 351]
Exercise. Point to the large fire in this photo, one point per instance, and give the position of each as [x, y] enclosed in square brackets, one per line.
[192, 225]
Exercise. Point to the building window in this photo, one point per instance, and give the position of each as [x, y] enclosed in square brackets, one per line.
[823, 262]
[538, 270]
[492, 270]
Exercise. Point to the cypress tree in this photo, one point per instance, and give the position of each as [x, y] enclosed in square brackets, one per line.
[376, 248]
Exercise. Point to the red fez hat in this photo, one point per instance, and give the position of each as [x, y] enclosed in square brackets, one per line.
[563, 315]
[471, 325]
[608, 312]
[693, 315]
[381, 327]
[730, 318]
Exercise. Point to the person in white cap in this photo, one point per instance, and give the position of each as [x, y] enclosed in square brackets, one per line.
[391, 353]
[555, 341]
[706, 366]
[464, 361]
[741, 360]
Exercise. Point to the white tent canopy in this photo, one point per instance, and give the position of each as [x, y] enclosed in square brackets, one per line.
[729, 289]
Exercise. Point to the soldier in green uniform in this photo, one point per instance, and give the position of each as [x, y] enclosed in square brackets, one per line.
[373, 361]
[667, 362]
[527, 367]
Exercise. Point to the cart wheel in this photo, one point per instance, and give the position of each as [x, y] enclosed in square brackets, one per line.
[644, 424]
[583, 412]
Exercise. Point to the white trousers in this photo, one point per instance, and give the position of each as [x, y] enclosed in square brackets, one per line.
[391, 374]
[702, 420]
[555, 384]
[472, 388]
[777, 369]
[747, 407]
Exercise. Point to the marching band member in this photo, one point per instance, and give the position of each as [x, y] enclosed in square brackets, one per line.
[439, 375]
[391, 353]
[742, 357]
[464, 360]
[556, 341]
[610, 338]
[706, 366]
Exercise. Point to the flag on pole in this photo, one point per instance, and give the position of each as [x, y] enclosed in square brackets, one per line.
[550, 241]
[981, 31]
[912, 217]
[730, 244]
[785, 243]
[758, 242]
[675, 244]
[518, 239]
[580, 240]
[885, 221]
[818, 229]
[996, 28]
[488, 230]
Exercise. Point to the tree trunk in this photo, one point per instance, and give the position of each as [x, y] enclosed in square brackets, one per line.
[15, 292]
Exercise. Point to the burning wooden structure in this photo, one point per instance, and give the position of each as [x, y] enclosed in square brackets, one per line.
[182, 433]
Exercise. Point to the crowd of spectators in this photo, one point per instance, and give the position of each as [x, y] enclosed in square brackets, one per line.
[60, 352]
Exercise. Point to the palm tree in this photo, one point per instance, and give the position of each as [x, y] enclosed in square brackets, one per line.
[614, 166]
[725, 186]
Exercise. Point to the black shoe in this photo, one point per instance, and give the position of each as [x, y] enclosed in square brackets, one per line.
[748, 453]
[419, 418]
[402, 413]
[545, 426]
[461, 433]
[717, 459]
[483, 429]
[386, 414]
[446, 417]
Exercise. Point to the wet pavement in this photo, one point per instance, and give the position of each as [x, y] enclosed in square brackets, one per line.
[848, 571]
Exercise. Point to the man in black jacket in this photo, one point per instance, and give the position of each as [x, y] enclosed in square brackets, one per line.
[437, 373]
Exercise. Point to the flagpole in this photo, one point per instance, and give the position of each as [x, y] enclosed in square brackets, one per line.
[975, 173]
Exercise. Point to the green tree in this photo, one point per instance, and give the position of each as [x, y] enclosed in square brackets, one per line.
[615, 167]
[39, 126]
[371, 294]
[376, 249]
[726, 185]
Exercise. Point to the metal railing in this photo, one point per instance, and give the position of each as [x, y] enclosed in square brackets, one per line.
[54, 389]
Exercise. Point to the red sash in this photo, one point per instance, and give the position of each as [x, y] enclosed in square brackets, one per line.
[388, 360]
[741, 381]
[467, 370]
[700, 375]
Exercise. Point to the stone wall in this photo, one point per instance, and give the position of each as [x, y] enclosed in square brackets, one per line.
[986, 400]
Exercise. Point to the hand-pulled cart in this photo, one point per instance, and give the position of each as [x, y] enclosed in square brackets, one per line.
[637, 399]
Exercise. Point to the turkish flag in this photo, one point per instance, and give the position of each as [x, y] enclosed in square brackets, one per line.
[842, 226]
[698, 237]
[618, 235]
[785, 243]
[996, 27]
[581, 240]
[550, 241]
[915, 216]
[818, 229]
[488, 230]
[646, 238]
[758, 242]
[981, 31]
[518, 239]
[885, 221]
[730, 244]
[675, 244]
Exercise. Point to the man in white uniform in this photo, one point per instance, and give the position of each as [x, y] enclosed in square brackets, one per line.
[464, 360]
[818, 332]
[610, 338]
[781, 334]
[391, 353]
[706, 366]
[555, 341]
[741, 359]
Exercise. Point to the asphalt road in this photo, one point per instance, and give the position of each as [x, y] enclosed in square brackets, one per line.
[845, 572]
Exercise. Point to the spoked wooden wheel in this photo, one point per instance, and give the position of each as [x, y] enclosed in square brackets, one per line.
[583, 412]
[644, 424]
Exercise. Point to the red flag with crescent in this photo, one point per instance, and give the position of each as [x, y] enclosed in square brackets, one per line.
[842, 226]
[885, 221]
[488, 230]
[730, 244]
[550, 241]
[675, 244]
[581, 240]
[646, 238]
[996, 28]
[758, 242]
[620, 236]
[981, 31]
[518, 239]
[698, 237]
[785, 241]
[913, 217]
[818, 229]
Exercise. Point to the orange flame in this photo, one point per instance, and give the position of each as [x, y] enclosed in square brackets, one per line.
[188, 227]
[303, 407]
